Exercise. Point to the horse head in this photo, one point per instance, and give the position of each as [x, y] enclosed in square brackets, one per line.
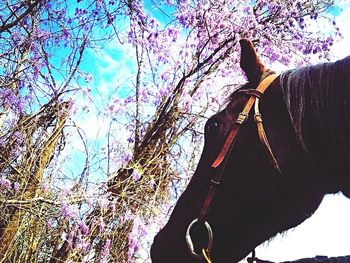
[254, 200]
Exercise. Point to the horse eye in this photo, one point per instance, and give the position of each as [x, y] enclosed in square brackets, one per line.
[212, 124]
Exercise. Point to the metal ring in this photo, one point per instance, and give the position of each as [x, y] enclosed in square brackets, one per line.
[189, 241]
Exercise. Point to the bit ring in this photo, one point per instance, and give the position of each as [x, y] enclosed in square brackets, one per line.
[189, 241]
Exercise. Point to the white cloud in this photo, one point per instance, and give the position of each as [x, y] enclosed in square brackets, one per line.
[342, 49]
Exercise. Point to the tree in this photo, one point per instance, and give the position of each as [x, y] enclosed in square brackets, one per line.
[183, 62]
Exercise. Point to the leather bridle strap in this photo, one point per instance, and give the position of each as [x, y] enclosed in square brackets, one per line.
[262, 136]
[228, 145]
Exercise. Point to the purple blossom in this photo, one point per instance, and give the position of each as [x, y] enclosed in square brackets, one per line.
[43, 35]
[127, 216]
[82, 244]
[164, 91]
[18, 136]
[110, 109]
[186, 102]
[314, 16]
[70, 238]
[152, 183]
[103, 201]
[307, 49]
[285, 60]
[127, 157]
[316, 50]
[5, 184]
[113, 207]
[16, 186]
[135, 175]
[10, 100]
[247, 9]
[45, 187]
[67, 211]
[102, 225]
[130, 139]
[105, 249]
[172, 33]
[110, 19]
[138, 231]
[133, 247]
[165, 75]
[84, 229]
[90, 202]
[88, 78]
[152, 23]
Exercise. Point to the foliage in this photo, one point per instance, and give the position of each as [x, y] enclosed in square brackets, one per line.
[69, 194]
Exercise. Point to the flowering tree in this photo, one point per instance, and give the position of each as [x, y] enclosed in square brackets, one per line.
[95, 201]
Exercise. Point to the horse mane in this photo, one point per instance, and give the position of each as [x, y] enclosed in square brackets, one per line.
[318, 101]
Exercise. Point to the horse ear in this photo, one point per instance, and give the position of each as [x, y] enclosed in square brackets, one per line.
[250, 61]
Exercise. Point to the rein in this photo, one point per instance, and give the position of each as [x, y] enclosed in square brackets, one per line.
[220, 162]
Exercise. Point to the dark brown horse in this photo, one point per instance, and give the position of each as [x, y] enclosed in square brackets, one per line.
[306, 116]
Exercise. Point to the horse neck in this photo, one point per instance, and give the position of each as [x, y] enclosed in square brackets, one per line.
[318, 101]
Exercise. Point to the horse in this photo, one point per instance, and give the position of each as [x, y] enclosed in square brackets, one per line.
[252, 183]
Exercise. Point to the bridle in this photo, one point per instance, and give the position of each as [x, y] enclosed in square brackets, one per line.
[220, 162]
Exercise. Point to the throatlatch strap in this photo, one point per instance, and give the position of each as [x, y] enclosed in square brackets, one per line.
[262, 136]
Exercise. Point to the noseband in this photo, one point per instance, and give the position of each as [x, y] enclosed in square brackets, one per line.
[220, 162]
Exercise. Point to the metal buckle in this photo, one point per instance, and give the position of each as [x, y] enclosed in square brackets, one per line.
[189, 241]
[242, 117]
[258, 117]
